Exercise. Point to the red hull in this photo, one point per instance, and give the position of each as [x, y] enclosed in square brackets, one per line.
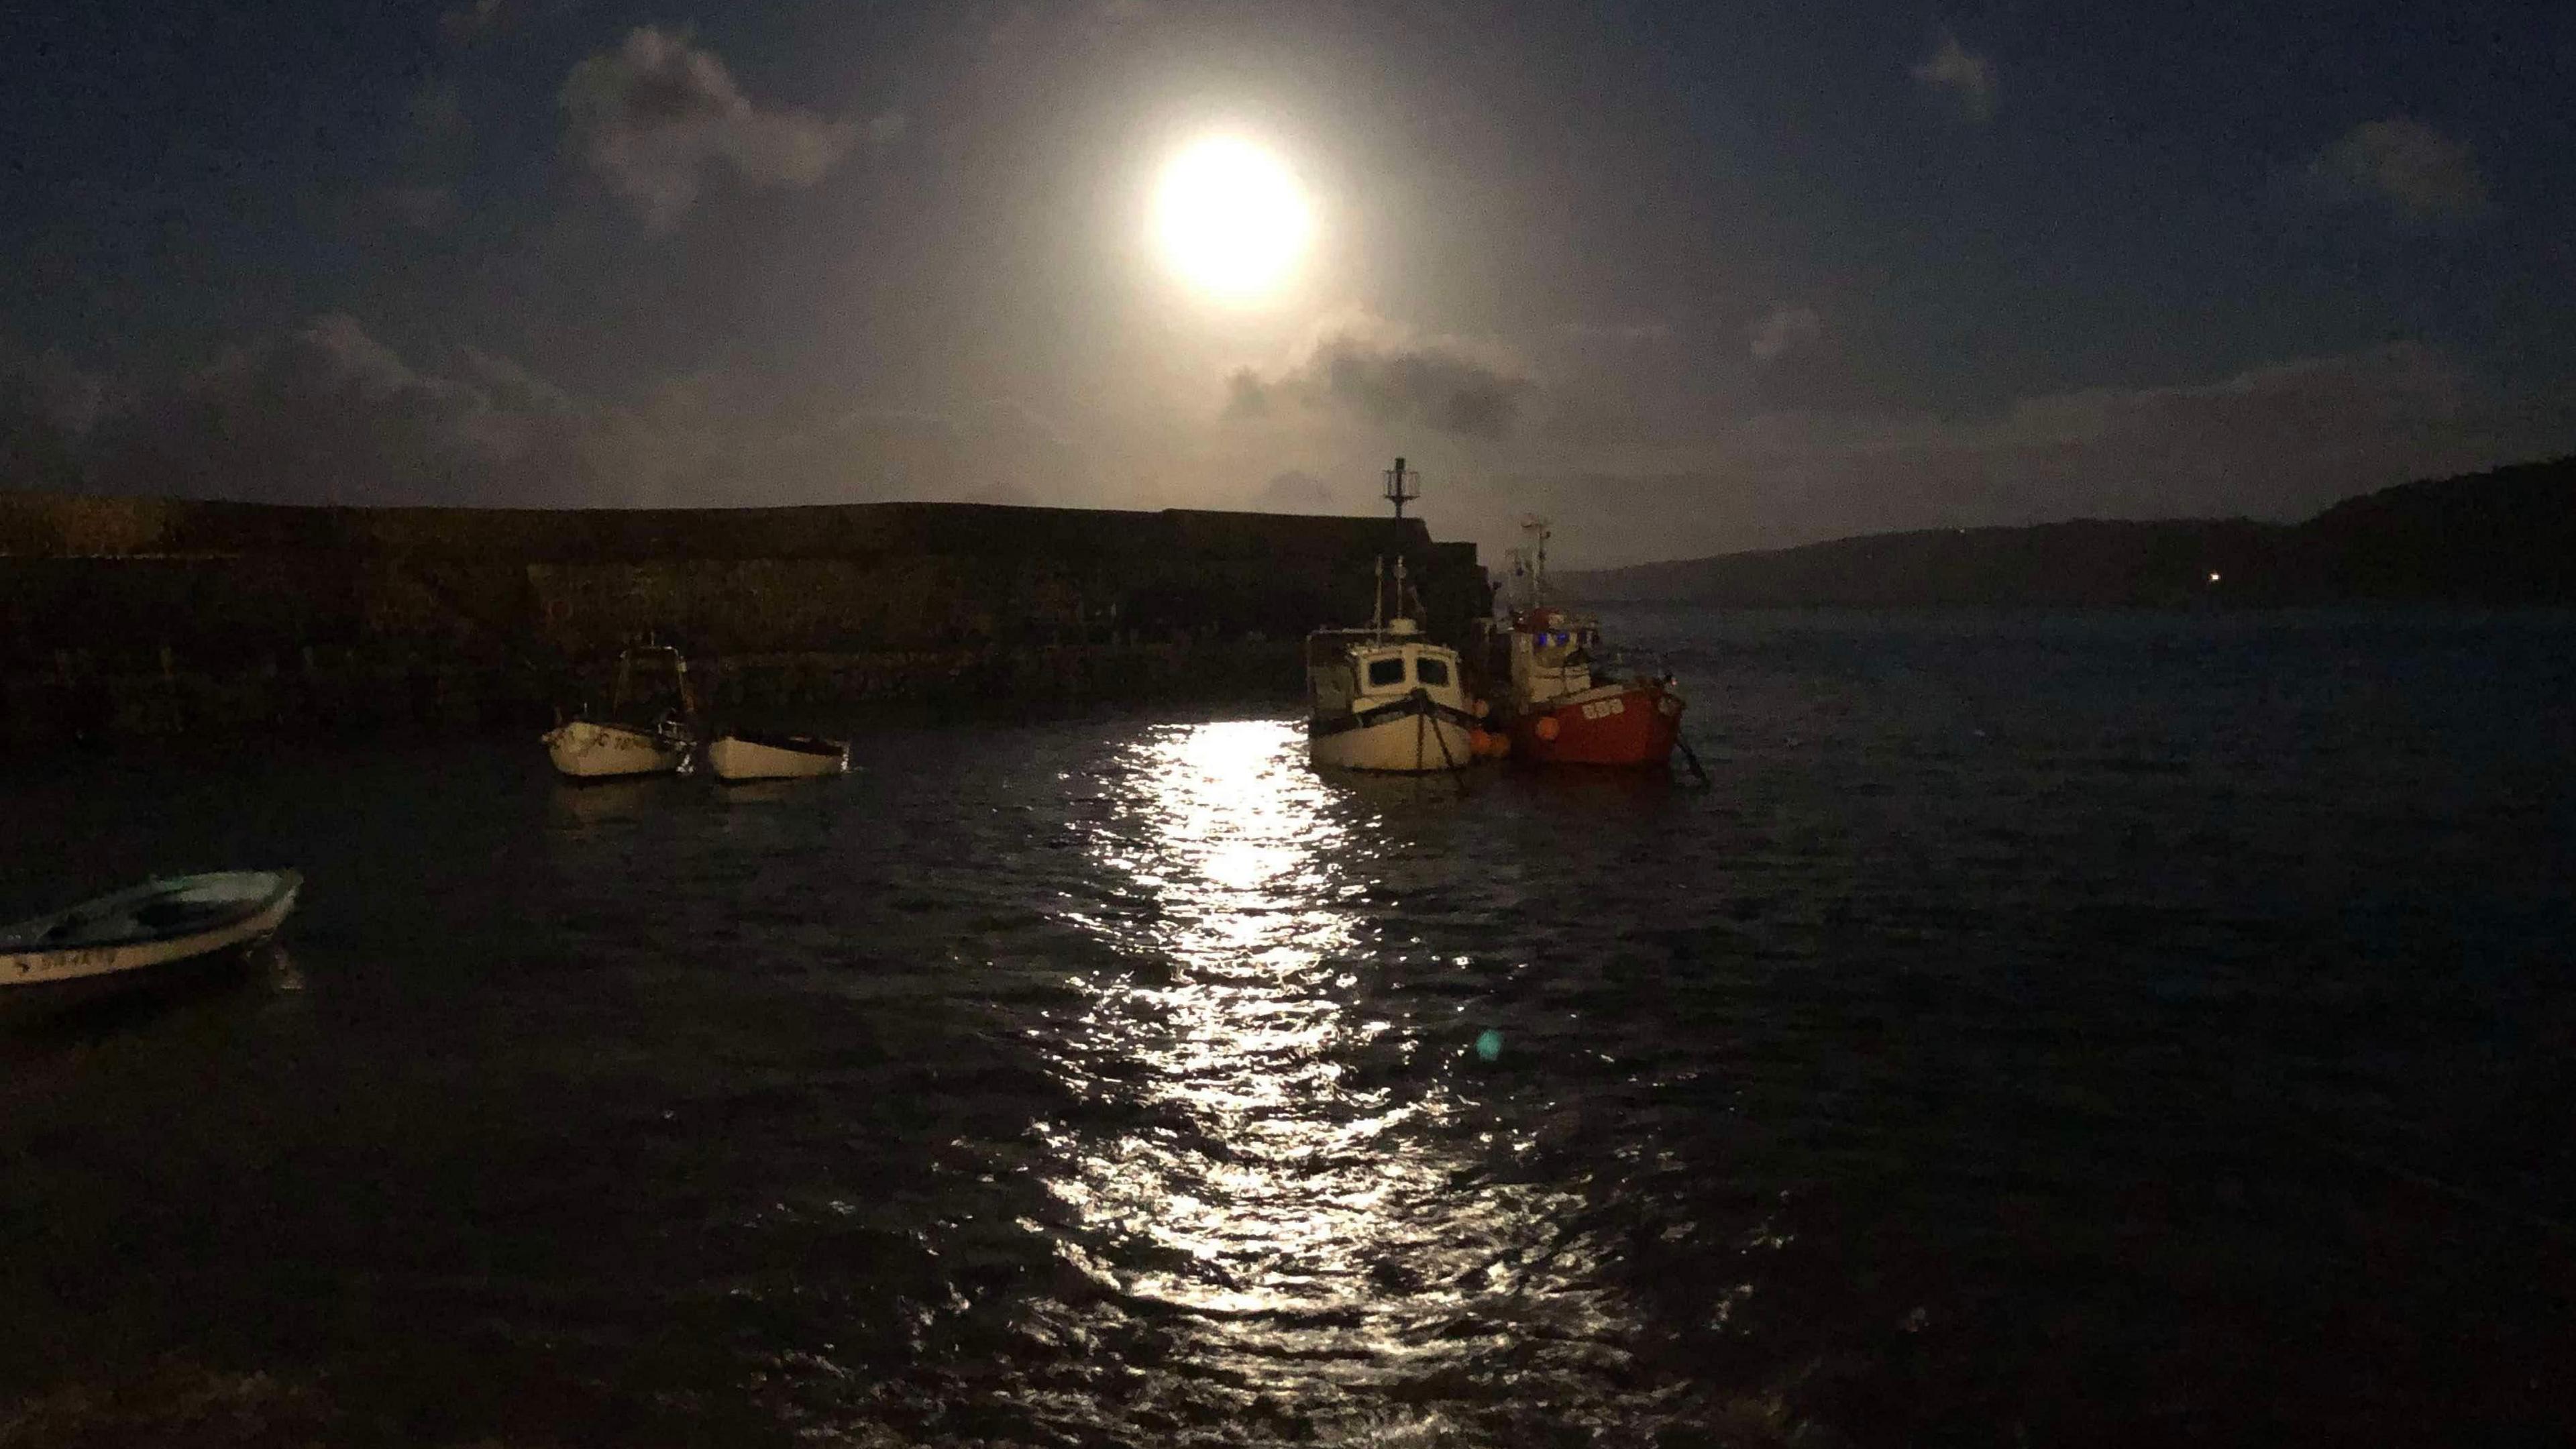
[1632, 724]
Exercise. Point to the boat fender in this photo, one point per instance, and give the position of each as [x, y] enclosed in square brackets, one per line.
[1546, 727]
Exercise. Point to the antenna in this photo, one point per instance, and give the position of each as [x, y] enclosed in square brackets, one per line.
[1533, 557]
[1402, 486]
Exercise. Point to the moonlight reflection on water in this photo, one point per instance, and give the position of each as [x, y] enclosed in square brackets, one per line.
[1303, 1193]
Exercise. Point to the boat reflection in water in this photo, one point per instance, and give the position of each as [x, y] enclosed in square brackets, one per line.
[1296, 1180]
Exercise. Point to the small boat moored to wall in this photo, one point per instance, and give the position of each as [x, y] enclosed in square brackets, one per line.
[131, 937]
[615, 748]
[587, 750]
[739, 755]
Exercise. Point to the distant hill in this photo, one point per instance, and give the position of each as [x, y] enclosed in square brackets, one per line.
[2501, 537]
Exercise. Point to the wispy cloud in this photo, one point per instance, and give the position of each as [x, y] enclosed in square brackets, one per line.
[419, 207]
[1294, 491]
[1366, 370]
[1962, 74]
[2278, 441]
[47, 407]
[475, 20]
[1651, 329]
[652, 117]
[330, 413]
[1783, 330]
[2422, 175]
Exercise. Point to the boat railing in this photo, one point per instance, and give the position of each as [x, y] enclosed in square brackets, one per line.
[1621, 662]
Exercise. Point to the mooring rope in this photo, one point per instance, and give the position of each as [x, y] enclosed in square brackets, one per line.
[1690, 757]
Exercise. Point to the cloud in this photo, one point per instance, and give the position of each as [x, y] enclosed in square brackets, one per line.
[329, 413]
[437, 112]
[1390, 382]
[1646, 330]
[2280, 441]
[1783, 330]
[326, 413]
[47, 407]
[1969, 78]
[2421, 174]
[1294, 492]
[476, 20]
[422, 208]
[653, 116]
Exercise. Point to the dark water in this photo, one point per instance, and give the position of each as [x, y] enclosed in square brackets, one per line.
[2136, 1029]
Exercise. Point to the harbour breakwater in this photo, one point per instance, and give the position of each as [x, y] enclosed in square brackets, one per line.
[130, 617]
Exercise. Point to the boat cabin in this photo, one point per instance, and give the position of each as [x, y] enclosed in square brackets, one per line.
[1360, 669]
[1551, 654]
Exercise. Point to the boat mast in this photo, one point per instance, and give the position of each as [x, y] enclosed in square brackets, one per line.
[1403, 485]
[1533, 556]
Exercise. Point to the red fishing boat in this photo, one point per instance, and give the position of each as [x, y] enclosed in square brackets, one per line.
[1553, 693]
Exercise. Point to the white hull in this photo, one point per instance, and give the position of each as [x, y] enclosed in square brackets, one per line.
[100, 939]
[735, 758]
[1413, 745]
[585, 750]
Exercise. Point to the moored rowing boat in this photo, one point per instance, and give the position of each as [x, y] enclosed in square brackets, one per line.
[741, 755]
[118, 939]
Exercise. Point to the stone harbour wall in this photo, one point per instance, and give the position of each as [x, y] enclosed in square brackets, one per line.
[128, 618]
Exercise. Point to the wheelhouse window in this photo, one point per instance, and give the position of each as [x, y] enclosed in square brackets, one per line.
[1386, 671]
[1430, 671]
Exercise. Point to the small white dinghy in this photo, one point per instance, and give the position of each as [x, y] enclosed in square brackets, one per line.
[739, 755]
[615, 748]
[591, 750]
[119, 939]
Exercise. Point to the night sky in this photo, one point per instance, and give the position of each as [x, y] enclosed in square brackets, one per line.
[1688, 277]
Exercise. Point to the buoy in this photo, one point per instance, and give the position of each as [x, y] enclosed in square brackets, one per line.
[1546, 727]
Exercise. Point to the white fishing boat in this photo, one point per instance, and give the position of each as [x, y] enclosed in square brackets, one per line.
[1385, 697]
[739, 755]
[142, 933]
[615, 748]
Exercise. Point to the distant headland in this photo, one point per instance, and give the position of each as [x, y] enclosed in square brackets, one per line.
[2502, 538]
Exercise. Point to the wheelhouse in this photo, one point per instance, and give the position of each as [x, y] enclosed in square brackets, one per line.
[1361, 669]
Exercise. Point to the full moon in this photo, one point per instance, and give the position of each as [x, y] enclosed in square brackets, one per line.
[1232, 218]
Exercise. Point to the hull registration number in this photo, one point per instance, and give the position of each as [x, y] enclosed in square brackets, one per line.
[1604, 708]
